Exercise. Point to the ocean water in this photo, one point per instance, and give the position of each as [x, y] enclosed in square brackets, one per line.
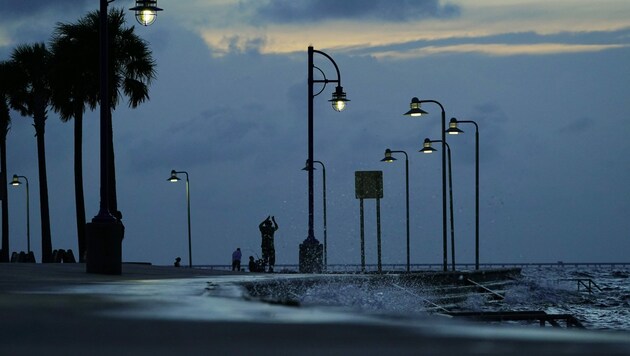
[554, 289]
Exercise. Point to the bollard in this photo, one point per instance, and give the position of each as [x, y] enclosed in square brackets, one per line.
[69, 257]
[104, 247]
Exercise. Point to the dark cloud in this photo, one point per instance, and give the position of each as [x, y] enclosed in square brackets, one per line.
[12, 8]
[33, 21]
[289, 11]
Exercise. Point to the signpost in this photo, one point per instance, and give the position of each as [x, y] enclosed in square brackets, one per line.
[369, 185]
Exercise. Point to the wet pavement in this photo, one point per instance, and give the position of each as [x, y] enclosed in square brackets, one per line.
[58, 309]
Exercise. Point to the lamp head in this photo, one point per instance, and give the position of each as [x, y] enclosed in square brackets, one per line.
[339, 100]
[415, 109]
[15, 180]
[174, 178]
[388, 156]
[426, 147]
[146, 11]
[308, 167]
[452, 127]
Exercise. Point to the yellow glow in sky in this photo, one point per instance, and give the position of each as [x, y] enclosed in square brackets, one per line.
[477, 19]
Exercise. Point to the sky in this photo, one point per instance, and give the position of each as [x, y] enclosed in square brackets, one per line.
[547, 81]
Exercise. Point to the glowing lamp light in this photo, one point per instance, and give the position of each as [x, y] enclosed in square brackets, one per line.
[174, 178]
[415, 109]
[426, 147]
[339, 100]
[146, 11]
[15, 180]
[388, 156]
[452, 128]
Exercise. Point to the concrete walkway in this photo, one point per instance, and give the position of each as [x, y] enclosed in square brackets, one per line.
[58, 309]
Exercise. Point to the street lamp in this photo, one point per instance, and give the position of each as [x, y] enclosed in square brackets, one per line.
[311, 251]
[16, 182]
[174, 178]
[104, 233]
[454, 130]
[306, 168]
[146, 11]
[426, 148]
[389, 158]
[415, 110]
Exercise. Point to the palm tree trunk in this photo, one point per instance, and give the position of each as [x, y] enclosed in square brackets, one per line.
[40, 119]
[4, 128]
[78, 182]
[4, 256]
[113, 201]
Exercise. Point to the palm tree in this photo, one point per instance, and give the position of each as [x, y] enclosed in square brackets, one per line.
[31, 97]
[5, 124]
[76, 49]
[132, 68]
[74, 83]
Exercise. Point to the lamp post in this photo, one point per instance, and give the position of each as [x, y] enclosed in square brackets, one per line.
[454, 130]
[16, 182]
[105, 232]
[311, 250]
[426, 148]
[306, 168]
[146, 11]
[415, 110]
[389, 158]
[174, 178]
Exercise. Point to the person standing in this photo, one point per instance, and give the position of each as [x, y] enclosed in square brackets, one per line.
[236, 260]
[267, 229]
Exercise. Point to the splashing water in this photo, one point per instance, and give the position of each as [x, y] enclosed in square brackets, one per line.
[553, 290]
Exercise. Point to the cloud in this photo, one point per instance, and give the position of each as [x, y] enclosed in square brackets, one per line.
[497, 49]
[285, 26]
[237, 45]
[12, 9]
[33, 21]
[290, 11]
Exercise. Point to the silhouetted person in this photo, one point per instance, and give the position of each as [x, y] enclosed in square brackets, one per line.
[256, 265]
[252, 264]
[118, 216]
[267, 229]
[236, 260]
[177, 262]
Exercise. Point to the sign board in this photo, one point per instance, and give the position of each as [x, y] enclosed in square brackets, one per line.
[368, 184]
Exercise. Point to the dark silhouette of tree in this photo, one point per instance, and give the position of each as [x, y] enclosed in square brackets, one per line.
[5, 124]
[131, 69]
[74, 84]
[31, 97]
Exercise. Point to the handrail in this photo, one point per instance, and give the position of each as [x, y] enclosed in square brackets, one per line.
[401, 267]
[583, 282]
[421, 297]
[485, 288]
[529, 315]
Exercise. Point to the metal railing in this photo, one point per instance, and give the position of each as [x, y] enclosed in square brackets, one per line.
[526, 316]
[402, 267]
[586, 283]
